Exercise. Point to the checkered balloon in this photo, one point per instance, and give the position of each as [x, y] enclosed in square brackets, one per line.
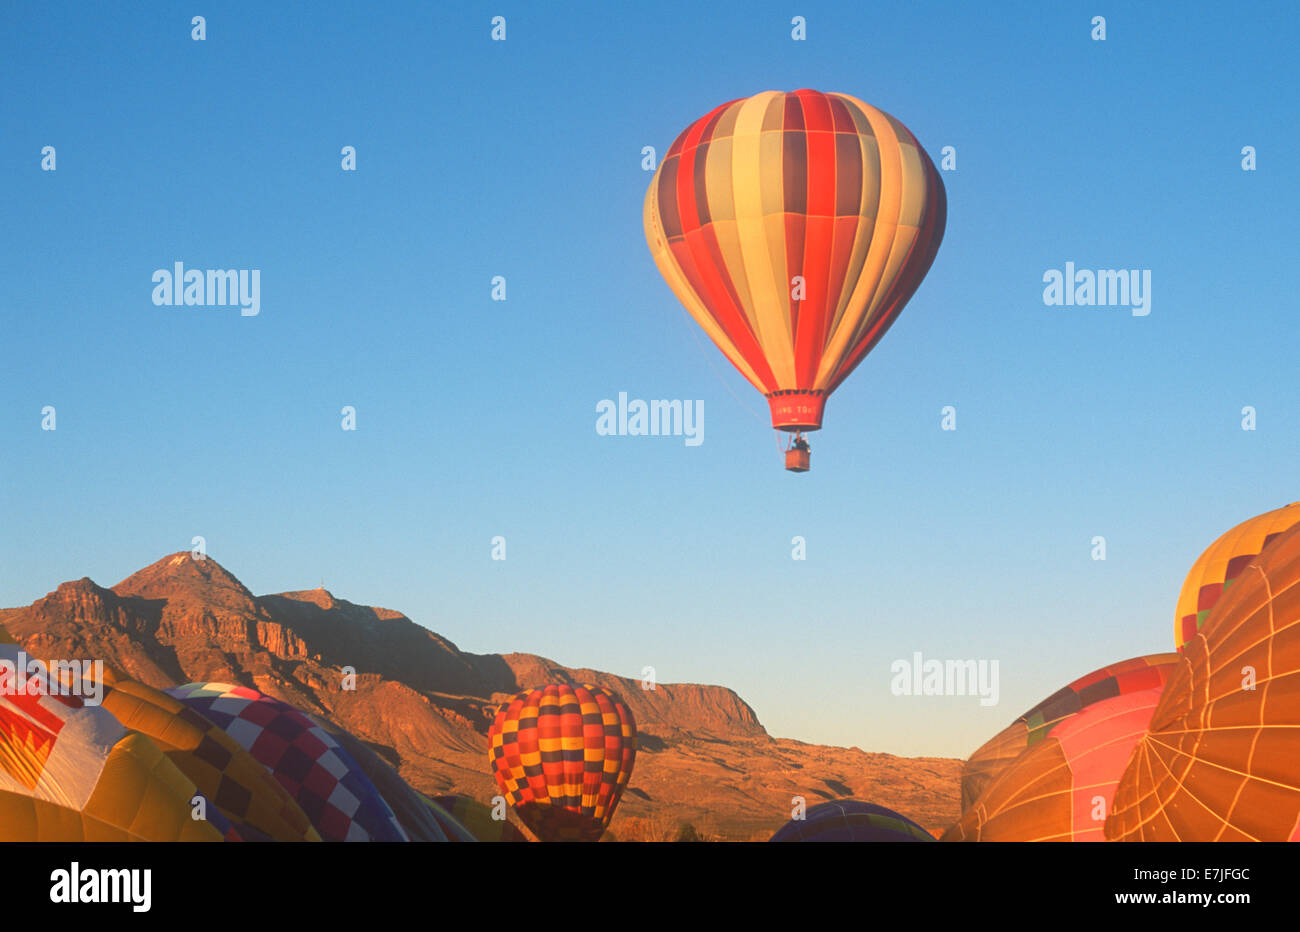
[324, 779]
[561, 756]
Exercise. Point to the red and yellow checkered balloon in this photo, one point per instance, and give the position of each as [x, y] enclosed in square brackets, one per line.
[562, 756]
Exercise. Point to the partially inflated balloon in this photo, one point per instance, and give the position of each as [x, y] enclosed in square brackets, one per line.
[794, 227]
[1061, 788]
[851, 820]
[1222, 759]
[241, 789]
[1215, 570]
[324, 779]
[450, 822]
[561, 756]
[478, 818]
[1000, 751]
[70, 771]
[411, 807]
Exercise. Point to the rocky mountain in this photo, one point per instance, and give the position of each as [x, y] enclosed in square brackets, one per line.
[425, 705]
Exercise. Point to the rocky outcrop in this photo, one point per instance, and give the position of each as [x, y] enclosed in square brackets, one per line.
[702, 711]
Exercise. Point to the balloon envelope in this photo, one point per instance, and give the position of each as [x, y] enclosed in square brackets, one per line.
[561, 756]
[409, 805]
[477, 818]
[323, 778]
[794, 227]
[70, 771]
[1217, 568]
[1000, 751]
[1222, 759]
[1061, 788]
[238, 786]
[851, 820]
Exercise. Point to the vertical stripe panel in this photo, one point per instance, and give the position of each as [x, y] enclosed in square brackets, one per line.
[879, 247]
[756, 173]
[810, 317]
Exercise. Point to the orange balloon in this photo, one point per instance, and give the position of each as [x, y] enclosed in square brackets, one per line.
[1221, 761]
[1214, 571]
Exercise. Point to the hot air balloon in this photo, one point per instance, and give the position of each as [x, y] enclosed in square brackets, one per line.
[1221, 761]
[1000, 751]
[561, 756]
[324, 779]
[1061, 788]
[459, 822]
[794, 227]
[851, 820]
[418, 820]
[1214, 571]
[70, 771]
[240, 789]
[477, 817]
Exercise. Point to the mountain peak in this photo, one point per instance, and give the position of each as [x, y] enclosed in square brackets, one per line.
[180, 574]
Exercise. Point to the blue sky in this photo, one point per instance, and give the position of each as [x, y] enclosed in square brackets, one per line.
[477, 418]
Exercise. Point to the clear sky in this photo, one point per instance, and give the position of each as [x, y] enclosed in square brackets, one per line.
[477, 418]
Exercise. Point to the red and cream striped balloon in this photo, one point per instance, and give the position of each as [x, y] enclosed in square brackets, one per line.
[794, 227]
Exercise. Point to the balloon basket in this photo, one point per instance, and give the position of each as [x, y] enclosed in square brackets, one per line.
[797, 460]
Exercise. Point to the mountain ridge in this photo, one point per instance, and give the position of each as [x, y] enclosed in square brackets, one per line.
[425, 705]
